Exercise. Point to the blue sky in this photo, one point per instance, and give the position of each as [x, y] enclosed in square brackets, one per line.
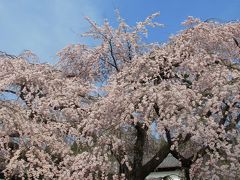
[46, 26]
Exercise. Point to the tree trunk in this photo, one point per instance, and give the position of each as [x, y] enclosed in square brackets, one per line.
[187, 173]
[140, 173]
[186, 164]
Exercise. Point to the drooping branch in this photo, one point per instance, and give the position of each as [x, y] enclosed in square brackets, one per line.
[120, 157]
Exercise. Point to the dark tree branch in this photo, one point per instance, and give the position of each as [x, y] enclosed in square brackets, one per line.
[186, 162]
[157, 159]
[236, 42]
[232, 125]
[225, 113]
[113, 56]
[8, 91]
[173, 152]
[108, 62]
[7, 55]
[129, 50]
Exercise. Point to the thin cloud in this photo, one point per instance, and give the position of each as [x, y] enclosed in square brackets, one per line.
[44, 26]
